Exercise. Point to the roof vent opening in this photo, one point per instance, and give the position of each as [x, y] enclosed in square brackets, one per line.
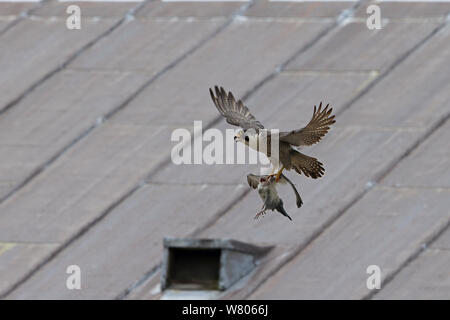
[193, 269]
[207, 264]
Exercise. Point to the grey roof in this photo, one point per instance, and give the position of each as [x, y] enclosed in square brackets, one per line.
[85, 124]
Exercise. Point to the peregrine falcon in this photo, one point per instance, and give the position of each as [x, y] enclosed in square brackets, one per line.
[236, 113]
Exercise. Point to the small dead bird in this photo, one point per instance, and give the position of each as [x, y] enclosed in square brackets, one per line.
[268, 193]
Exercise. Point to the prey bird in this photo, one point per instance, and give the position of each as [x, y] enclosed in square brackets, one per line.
[236, 113]
[268, 193]
[254, 180]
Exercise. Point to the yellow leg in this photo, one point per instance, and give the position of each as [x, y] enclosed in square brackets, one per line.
[272, 173]
[277, 177]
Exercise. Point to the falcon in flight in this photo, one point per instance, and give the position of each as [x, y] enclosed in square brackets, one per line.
[236, 113]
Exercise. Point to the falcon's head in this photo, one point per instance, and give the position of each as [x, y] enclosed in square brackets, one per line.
[246, 137]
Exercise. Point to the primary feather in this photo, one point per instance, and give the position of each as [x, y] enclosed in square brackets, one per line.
[317, 127]
[235, 112]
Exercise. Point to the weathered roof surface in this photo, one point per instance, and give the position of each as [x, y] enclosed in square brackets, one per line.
[86, 118]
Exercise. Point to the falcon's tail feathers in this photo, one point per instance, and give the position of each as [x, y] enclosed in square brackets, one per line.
[309, 166]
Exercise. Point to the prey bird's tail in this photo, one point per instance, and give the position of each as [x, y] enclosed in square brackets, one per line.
[309, 166]
[281, 210]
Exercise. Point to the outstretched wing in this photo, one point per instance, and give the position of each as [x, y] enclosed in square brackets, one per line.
[253, 180]
[317, 127]
[235, 112]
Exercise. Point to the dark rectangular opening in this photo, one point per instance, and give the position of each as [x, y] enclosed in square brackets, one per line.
[193, 269]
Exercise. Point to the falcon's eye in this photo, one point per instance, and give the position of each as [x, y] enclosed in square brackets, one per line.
[247, 138]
